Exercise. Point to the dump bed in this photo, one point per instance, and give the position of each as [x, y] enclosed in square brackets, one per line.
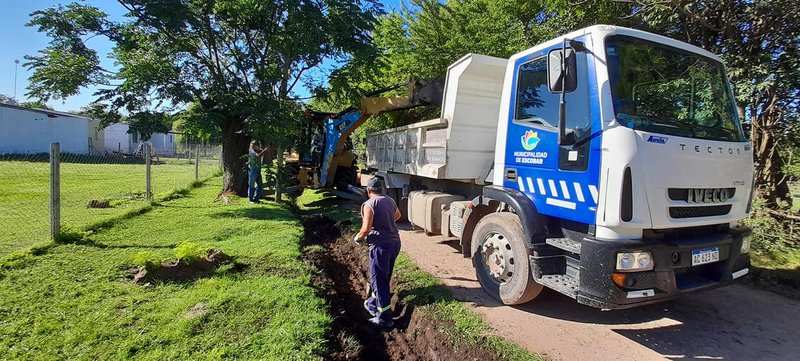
[459, 145]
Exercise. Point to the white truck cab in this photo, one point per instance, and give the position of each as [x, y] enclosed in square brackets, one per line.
[618, 177]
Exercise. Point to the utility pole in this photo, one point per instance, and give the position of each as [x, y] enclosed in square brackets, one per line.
[16, 65]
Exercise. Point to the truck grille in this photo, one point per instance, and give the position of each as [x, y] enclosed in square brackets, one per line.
[702, 211]
[697, 194]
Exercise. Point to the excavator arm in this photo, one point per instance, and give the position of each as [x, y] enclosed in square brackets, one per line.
[339, 126]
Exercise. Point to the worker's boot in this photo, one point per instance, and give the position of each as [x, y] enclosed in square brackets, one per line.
[384, 322]
[370, 304]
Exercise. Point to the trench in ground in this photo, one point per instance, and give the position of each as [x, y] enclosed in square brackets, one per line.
[342, 279]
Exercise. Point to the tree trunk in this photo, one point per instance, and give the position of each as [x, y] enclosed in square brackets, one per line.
[770, 178]
[234, 164]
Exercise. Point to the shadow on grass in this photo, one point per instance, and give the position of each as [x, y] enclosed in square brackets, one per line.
[260, 213]
[322, 203]
[126, 246]
[337, 210]
[108, 223]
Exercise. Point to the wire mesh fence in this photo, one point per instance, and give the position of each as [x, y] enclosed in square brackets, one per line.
[94, 188]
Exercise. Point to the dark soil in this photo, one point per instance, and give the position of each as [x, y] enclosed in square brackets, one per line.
[177, 271]
[98, 203]
[343, 281]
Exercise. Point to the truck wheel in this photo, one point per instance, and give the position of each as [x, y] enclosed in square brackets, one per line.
[500, 257]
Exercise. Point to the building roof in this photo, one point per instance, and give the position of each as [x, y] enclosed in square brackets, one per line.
[49, 113]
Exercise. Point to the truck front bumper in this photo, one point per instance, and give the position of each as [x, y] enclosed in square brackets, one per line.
[673, 273]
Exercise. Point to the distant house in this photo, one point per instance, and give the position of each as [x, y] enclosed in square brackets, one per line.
[116, 139]
[30, 131]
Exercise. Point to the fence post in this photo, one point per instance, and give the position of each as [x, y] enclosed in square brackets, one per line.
[55, 190]
[147, 192]
[197, 163]
[221, 161]
[278, 173]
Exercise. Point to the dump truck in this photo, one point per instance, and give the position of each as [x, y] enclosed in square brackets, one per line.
[608, 164]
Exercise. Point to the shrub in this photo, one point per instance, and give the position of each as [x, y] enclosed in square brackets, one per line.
[148, 260]
[770, 234]
[190, 252]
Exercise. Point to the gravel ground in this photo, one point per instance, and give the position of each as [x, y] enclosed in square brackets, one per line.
[731, 323]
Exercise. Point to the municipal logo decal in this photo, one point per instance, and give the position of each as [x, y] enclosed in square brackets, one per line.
[530, 140]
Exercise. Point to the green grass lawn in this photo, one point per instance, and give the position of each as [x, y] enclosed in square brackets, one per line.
[74, 302]
[775, 252]
[24, 194]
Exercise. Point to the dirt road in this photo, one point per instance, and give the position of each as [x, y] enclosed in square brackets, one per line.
[732, 323]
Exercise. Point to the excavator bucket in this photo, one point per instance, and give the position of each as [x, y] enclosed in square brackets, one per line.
[339, 126]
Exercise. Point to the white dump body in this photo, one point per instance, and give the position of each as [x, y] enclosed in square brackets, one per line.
[460, 144]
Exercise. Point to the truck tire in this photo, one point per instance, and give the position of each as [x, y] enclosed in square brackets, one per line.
[500, 258]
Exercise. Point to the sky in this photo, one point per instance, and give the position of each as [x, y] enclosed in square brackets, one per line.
[20, 40]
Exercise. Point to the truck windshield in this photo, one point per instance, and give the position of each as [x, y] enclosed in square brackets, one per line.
[666, 90]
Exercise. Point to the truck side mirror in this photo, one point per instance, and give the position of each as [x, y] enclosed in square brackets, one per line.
[556, 75]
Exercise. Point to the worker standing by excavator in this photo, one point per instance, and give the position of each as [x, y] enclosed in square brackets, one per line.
[379, 228]
[254, 183]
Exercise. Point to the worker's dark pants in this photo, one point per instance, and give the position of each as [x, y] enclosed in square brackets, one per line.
[381, 264]
[254, 184]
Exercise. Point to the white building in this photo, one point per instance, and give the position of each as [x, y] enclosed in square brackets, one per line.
[116, 139]
[30, 131]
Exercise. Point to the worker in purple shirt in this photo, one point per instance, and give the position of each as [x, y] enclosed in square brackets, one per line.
[379, 215]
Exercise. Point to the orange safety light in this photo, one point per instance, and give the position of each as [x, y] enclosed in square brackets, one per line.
[619, 279]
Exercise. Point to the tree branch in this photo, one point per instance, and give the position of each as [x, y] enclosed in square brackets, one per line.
[300, 73]
[783, 215]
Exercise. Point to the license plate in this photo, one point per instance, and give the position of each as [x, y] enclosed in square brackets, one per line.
[705, 255]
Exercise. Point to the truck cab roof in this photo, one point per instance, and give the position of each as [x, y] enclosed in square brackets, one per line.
[598, 32]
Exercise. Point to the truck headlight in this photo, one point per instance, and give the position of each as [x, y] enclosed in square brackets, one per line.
[634, 261]
[746, 243]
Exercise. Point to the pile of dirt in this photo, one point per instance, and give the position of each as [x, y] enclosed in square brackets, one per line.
[177, 271]
[99, 203]
[343, 281]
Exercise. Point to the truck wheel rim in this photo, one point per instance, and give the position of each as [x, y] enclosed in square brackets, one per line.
[498, 259]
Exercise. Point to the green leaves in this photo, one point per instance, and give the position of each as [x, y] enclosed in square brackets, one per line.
[60, 73]
[238, 61]
[190, 252]
[69, 23]
[66, 64]
[223, 55]
[198, 124]
[146, 123]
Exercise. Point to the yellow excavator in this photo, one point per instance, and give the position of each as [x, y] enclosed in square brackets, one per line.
[331, 161]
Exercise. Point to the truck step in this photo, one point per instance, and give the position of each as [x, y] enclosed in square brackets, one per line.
[562, 283]
[566, 244]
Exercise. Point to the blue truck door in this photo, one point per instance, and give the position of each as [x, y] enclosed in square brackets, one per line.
[562, 181]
